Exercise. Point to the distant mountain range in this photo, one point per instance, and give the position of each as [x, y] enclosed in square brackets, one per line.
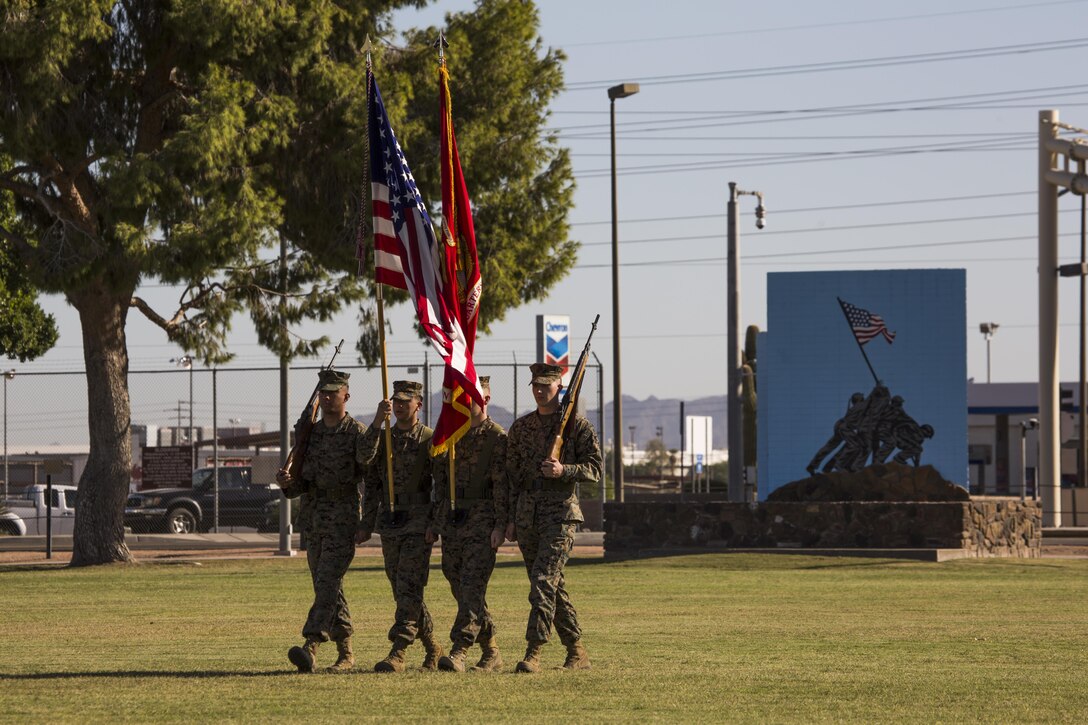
[645, 415]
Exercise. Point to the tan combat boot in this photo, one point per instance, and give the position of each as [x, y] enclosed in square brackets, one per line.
[455, 661]
[305, 656]
[394, 661]
[345, 659]
[433, 649]
[531, 661]
[577, 659]
[490, 659]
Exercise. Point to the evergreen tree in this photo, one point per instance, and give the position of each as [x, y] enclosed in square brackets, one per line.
[183, 141]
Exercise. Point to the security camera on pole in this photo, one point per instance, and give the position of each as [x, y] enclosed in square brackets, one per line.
[735, 381]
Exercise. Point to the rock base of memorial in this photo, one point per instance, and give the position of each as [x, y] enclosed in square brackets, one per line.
[978, 528]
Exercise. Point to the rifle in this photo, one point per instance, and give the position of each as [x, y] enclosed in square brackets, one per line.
[303, 428]
[570, 397]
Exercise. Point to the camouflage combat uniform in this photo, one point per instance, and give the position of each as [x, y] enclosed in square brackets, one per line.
[407, 555]
[545, 514]
[467, 556]
[329, 517]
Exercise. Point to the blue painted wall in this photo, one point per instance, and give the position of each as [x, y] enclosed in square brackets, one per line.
[809, 363]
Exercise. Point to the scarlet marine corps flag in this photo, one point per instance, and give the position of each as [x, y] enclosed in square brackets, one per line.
[406, 254]
[460, 273]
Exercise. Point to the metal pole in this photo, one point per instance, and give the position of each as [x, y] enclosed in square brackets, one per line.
[1083, 449]
[600, 418]
[734, 395]
[8, 375]
[989, 337]
[516, 385]
[49, 516]
[1023, 463]
[215, 449]
[192, 441]
[617, 388]
[1049, 431]
[285, 433]
[683, 438]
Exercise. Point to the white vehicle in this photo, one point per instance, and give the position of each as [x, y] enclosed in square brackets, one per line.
[26, 513]
[11, 525]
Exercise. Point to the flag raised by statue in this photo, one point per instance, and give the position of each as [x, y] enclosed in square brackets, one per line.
[406, 253]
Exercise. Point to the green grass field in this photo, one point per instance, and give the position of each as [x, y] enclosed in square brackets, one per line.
[711, 638]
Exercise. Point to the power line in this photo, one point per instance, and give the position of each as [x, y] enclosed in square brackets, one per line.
[839, 65]
[850, 250]
[835, 207]
[969, 99]
[795, 159]
[844, 227]
[814, 26]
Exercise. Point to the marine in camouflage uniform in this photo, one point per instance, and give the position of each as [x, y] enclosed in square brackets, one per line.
[472, 531]
[405, 532]
[546, 513]
[332, 469]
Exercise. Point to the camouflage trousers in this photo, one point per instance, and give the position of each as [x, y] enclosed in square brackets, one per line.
[545, 552]
[329, 555]
[407, 564]
[467, 562]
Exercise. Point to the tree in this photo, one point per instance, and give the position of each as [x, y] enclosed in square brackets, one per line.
[657, 457]
[168, 140]
[26, 331]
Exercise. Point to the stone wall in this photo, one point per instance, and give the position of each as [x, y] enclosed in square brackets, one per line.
[982, 527]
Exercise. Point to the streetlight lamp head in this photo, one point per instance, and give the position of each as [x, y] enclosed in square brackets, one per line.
[761, 216]
[623, 90]
[988, 328]
[9, 374]
[1030, 424]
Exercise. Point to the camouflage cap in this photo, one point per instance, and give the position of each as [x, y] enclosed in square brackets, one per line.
[332, 379]
[485, 381]
[407, 389]
[545, 373]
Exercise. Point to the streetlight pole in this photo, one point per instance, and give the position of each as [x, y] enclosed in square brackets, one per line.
[623, 90]
[186, 361]
[735, 380]
[8, 375]
[988, 329]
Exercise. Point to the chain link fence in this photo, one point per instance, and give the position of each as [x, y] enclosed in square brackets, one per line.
[175, 412]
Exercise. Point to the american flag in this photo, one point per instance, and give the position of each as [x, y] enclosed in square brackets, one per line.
[406, 254]
[865, 324]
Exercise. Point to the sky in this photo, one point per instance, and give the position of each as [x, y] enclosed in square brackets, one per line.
[883, 136]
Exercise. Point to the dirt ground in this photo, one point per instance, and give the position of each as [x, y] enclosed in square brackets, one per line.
[61, 558]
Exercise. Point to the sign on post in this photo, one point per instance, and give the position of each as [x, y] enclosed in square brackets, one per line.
[553, 342]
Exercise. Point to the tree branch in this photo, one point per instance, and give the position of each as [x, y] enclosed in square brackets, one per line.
[169, 325]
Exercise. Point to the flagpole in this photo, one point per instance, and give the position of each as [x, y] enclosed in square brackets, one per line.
[380, 303]
[441, 45]
[860, 346]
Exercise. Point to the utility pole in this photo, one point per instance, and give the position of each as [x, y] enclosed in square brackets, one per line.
[735, 379]
[1053, 175]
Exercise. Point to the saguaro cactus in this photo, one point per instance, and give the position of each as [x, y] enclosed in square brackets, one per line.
[748, 394]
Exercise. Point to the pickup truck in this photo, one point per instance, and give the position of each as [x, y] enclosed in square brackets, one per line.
[26, 513]
[191, 510]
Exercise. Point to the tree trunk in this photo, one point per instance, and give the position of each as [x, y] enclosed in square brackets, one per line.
[99, 536]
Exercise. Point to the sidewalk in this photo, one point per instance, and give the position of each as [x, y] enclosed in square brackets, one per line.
[586, 543]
